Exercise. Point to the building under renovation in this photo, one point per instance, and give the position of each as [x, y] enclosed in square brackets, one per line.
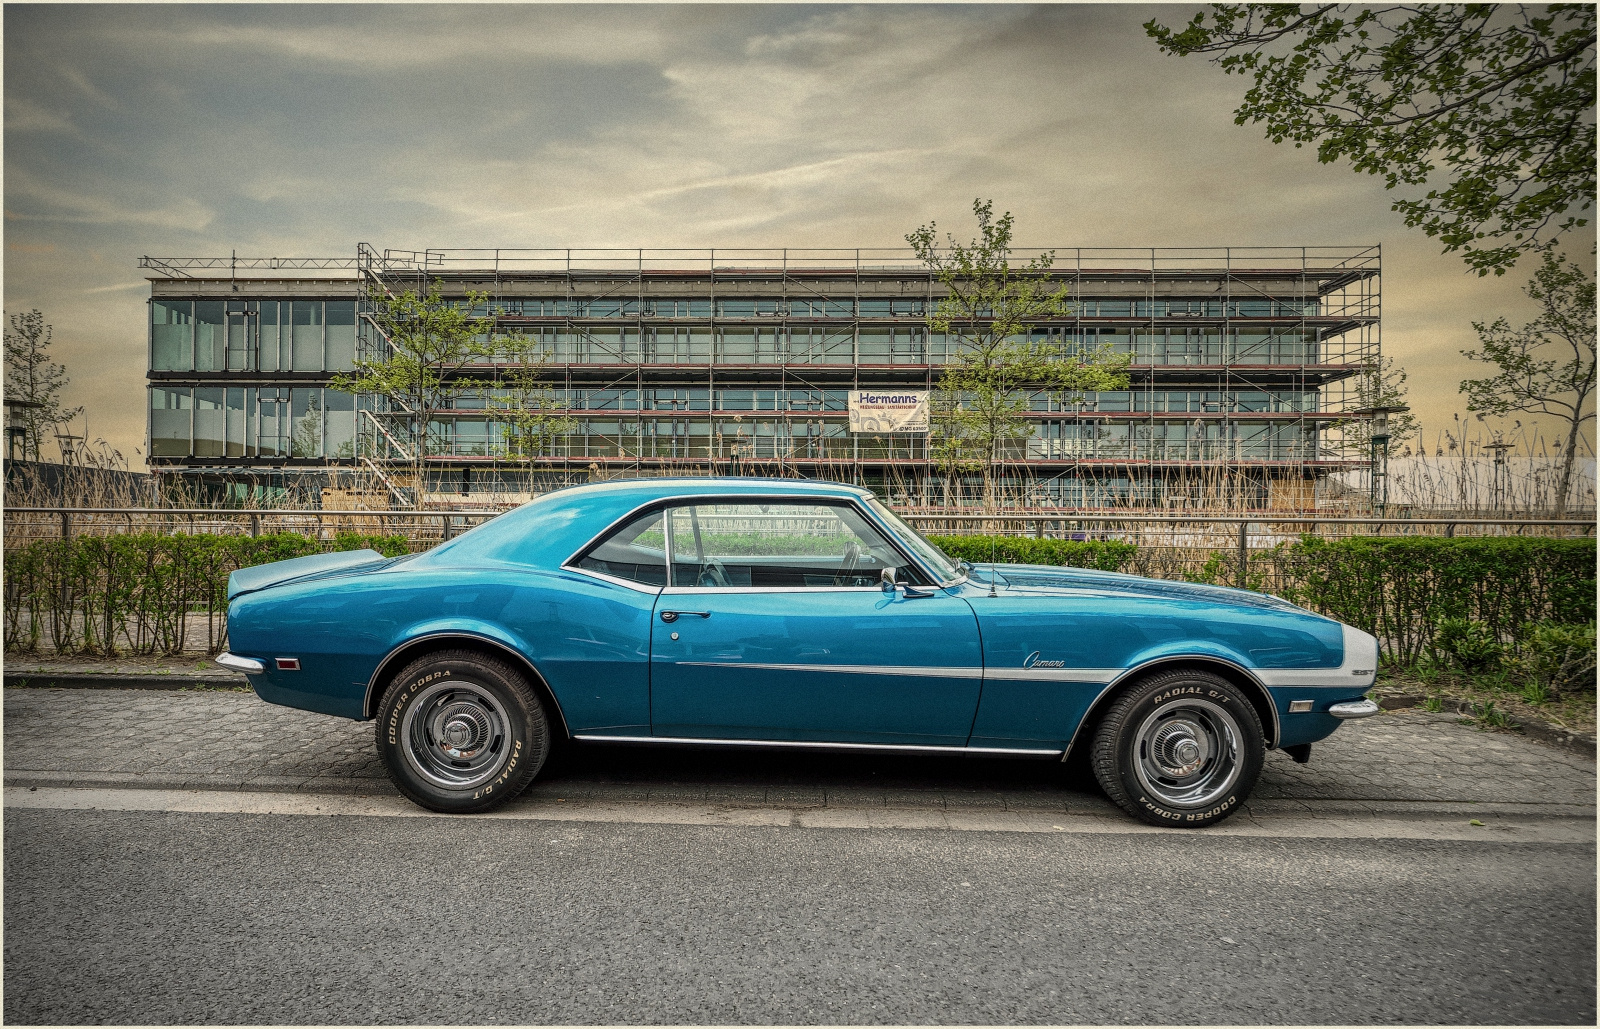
[719, 362]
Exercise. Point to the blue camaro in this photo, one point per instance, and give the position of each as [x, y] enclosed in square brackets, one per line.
[780, 612]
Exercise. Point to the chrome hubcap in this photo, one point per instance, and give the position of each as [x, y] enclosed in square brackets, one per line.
[456, 735]
[1189, 752]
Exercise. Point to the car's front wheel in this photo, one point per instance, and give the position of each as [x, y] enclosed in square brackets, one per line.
[460, 731]
[1181, 748]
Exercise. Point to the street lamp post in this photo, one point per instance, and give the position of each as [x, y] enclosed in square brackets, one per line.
[1378, 438]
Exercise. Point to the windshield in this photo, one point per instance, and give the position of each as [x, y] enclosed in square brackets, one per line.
[938, 561]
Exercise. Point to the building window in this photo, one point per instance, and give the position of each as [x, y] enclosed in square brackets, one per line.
[341, 335]
[661, 307]
[171, 335]
[169, 421]
[210, 429]
[307, 336]
[210, 341]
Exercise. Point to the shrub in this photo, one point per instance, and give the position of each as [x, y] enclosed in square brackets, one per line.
[1399, 588]
[142, 592]
[1470, 646]
[1558, 659]
[1104, 555]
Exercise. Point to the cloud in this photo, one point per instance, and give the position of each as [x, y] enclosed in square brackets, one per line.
[119, 287]
[60, 204]
[87, 88]
[23, 115]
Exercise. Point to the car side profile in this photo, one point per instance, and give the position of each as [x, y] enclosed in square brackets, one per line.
[792, 613]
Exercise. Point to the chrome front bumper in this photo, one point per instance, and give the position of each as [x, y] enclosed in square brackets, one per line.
[1354, 709]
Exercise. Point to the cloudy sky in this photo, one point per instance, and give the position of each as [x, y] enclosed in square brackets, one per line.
[300, 130]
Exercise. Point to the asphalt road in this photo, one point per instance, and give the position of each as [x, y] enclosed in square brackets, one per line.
[118, 916]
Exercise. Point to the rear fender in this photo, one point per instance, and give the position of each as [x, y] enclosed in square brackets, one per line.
[436, 634]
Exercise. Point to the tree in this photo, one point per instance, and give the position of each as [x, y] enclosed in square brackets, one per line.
[1547, 366]
[1501, 97]
[33, 378]
[430, 340]
[989, 311]
[525, 401]
[1381, 384]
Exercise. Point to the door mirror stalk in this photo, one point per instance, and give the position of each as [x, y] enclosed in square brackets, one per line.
[891, 586]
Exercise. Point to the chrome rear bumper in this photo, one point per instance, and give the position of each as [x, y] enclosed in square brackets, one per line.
[248, 665]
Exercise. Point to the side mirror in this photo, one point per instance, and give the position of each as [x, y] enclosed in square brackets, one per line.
[887, 575]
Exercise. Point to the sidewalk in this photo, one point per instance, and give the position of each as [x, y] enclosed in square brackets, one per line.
[1395, 763]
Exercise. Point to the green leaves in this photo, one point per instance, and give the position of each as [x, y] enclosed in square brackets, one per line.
[1104, 555]
[979, 409]
[31, 376]
[1490, 107]
[1547, 366]
[148, 593]
[1402, 589]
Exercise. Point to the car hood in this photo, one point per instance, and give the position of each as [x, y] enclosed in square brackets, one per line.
[1053, 581]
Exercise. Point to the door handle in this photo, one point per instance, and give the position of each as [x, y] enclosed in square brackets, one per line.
[672, 616]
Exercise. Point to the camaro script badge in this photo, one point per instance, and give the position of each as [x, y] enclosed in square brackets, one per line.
[1033, 660]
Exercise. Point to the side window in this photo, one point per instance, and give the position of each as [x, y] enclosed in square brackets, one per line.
[637, 551]
[777, 546]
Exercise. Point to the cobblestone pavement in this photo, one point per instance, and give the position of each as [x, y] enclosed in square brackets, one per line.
[231, 740]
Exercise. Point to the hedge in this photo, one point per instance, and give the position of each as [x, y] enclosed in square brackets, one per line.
[1105, 555]
[1400, 588]
[137, 591]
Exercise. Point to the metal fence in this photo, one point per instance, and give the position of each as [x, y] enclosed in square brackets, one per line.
[1238, 534]
[422, 529]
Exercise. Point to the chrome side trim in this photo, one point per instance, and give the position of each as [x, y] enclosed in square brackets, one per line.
[1053, 674]
[855, 501]
[920, 748]
[248, 665]
[615, 580]
[931, 671]
[705, 591]
[1354, 709]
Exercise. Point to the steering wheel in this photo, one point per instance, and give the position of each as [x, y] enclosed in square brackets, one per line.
[711, 573]
[852, 557]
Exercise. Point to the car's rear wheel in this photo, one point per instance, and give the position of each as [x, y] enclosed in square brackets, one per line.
[1180, 748]
[460, 731]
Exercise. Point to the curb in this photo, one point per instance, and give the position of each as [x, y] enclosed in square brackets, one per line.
[1544, 732]
[108, 681]
[667, 796]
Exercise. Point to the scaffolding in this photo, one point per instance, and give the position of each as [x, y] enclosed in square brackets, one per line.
[1244, 361]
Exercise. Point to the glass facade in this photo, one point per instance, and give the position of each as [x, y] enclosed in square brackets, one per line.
[701, 370]
[247, 422]
[252, 335]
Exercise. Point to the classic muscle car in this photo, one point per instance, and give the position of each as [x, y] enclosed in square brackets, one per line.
[777, 612]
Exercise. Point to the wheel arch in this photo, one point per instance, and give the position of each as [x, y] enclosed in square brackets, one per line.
[412, 649]
[1238, 675]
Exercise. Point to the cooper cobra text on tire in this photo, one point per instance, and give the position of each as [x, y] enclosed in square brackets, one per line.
[460, 731]
[1182, 748]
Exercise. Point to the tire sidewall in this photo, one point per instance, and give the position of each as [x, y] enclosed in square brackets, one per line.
[527, 729]
[1171, 692]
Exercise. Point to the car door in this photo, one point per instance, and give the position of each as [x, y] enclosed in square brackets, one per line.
[775, 626]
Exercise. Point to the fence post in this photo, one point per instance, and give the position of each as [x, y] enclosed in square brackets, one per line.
[1244, 554]
[1450, 531]
[255, 524]
[446, 520]
[66, 526]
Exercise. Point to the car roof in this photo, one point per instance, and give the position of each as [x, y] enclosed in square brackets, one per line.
[701, 485]
[549, 529]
